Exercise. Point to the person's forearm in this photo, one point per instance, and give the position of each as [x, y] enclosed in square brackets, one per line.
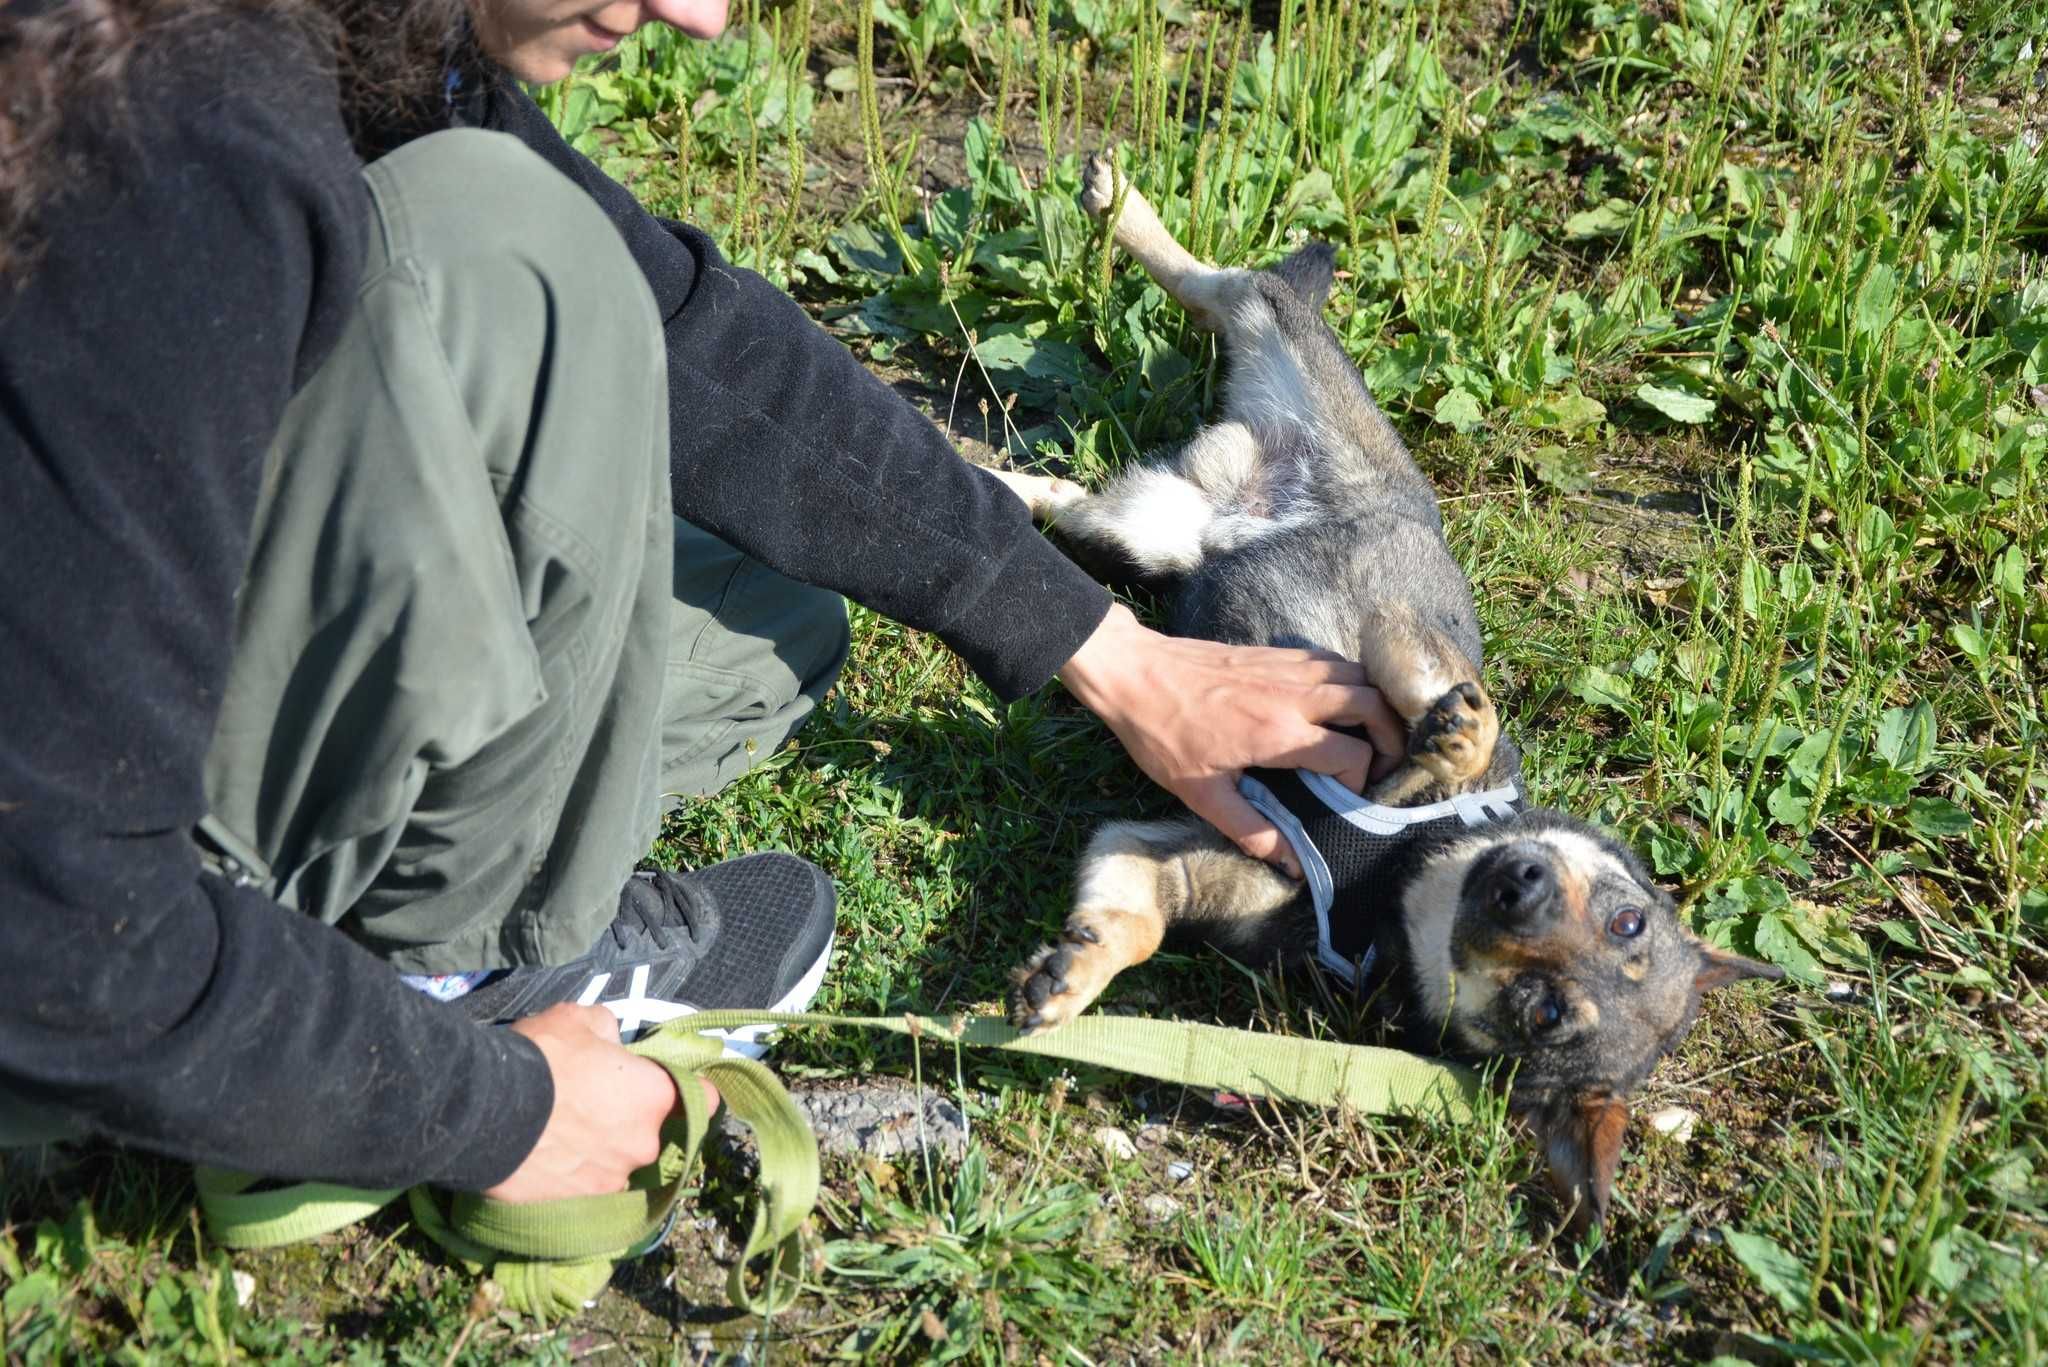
[223, 1029]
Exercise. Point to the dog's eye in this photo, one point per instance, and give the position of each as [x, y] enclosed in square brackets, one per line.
[1627, 923]
[1549, 1012]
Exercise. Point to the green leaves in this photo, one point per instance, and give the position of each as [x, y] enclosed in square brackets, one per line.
[1904, 738]
[1778, 939]
[1566, 410]
[1783, 1277]
[1459, 410]
[1679, 405]
[1603, 688]
[1609, 219]
[1938, 819]
[1021, 358]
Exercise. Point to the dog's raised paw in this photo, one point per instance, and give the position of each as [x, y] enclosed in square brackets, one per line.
[1098, 185]
[1058, 982]
[1454, 740]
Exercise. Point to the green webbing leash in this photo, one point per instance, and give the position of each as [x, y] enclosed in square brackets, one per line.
[552, 1257]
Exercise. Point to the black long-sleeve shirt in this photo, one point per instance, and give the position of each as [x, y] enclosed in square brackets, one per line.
[184, 292]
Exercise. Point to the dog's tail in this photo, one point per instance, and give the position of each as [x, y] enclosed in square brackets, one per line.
[1309, 273]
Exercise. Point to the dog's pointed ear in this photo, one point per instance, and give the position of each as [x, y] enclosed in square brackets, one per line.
[1581, 1137]
[1718, 968]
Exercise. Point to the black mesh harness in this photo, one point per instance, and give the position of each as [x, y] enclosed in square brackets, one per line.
[1349, 847]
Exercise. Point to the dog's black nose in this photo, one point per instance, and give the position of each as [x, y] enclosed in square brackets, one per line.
[1524, 891]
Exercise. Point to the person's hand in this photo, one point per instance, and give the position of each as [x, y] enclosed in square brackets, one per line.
[1195, 714]
[608, 1112]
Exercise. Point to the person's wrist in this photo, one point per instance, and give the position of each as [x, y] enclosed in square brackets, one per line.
[1090, 674]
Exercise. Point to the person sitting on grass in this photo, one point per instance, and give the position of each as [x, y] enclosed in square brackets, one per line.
[397, 516]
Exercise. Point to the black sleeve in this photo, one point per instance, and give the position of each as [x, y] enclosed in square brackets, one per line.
[784, 445]
[145, 362]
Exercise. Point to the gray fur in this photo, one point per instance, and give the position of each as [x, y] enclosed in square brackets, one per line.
[1299, 519]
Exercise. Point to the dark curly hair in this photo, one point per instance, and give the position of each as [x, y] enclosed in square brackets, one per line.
[69, 60]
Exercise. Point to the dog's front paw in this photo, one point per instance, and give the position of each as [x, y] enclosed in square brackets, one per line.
[1061, 980]
[1098, 186]
[1454, 740]
[1043, 495]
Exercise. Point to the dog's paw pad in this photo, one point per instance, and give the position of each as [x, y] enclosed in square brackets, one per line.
[1044, 994]
[1098, 185]
[1455, 738]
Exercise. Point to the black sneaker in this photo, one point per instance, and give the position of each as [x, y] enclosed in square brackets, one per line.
[750, 934]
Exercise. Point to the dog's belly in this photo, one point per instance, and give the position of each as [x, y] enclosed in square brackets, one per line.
[1316, 583]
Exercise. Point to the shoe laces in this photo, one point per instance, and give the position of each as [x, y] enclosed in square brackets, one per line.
[670, 917]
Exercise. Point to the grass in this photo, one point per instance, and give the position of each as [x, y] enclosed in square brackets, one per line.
[1723, 329]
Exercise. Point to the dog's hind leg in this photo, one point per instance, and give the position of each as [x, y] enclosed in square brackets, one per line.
[1160, 520]
[1209, 293]
[1137, 881]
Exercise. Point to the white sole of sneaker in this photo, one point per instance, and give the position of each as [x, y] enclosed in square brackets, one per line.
[748, 1041]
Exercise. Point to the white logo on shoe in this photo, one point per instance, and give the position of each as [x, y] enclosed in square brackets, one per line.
[636, 1010]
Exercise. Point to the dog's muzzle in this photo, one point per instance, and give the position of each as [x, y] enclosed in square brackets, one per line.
[1347, 846]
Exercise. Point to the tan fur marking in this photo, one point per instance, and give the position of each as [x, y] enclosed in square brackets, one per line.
[1577, 895]
[1513, 957]
[1136, 880]
[1121, 908]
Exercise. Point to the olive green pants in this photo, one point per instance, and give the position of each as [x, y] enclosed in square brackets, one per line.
[475, 651]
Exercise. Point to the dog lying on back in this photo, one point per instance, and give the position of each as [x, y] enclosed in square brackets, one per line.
[1297, 518]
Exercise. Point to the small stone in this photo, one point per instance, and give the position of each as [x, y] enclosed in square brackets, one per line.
[878, 1118]
[1675, 1121]
[1159, 1208]
[1152, 1137]
[1180, 1172]
[1952, 37]
[1115, 1143]
[245, 1287]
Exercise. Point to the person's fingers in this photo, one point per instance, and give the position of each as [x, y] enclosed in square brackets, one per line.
[1218, 802]
[1382, 765]
[1384, 726]
[1345, 758]
[1355, 778]
[599, 1021]
[1344, 705]
[1301, 668]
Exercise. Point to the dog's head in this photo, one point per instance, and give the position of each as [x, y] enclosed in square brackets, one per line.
[1542, 940]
